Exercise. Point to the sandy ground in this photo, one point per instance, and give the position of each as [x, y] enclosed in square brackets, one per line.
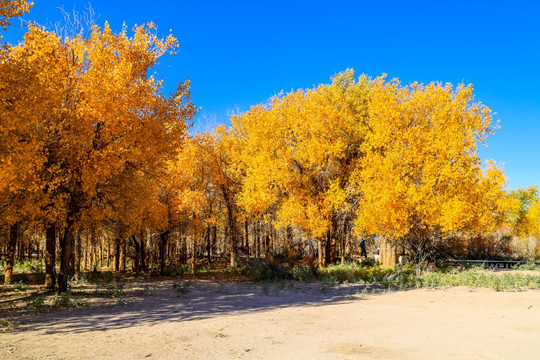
[289, 321]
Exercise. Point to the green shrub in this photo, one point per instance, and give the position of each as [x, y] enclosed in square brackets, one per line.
[37, 303]
[527, 266]
[304, 273]
[263, 271]
[182, 289]
[62, 300]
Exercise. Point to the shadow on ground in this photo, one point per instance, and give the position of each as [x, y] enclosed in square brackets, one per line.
[204, 300]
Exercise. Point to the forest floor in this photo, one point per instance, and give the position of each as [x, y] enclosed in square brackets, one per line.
[206, 319]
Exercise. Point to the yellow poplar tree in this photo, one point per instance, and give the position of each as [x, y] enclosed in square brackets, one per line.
[420, 174]
[106, 116]
[297, 153]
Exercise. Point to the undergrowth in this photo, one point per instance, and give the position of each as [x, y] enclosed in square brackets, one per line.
[406, 277]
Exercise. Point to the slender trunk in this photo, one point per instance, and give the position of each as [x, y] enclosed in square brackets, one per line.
[164, 237]
[100, 253]
[143, 251]
[136, 266]
[183, 250]
[124, 256]
[344, 237]
[50, 257]
[108, 254]
[232, 236]
[66, 245]
[208, 244]
[194, 254]
[333, 241]
[246, 229]
[117, 255]
[85, 255]
[321, 249]
[290, 248]
[232, 242]
[270, 245]
[10, 254]
[214, 240]
[78, 257]
[257, 240]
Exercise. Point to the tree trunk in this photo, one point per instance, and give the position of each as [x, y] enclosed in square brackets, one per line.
[164, 237]
[232, 236]
[100, 253]
[143, 251]
[78, 257]
[194, 254]
[232, 242]
[123, 256]
[50, 257]
[214, 240]
[321, 250]
[183, 250]
[117, 255]
[246, 229]
[208, 244]
[66, 245]
[10, 254]
[108, 254]
[290, 246]
[136, 266]
[257, 240]
[387, 256]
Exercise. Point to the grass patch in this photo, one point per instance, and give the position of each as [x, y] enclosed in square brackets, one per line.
[182, 289]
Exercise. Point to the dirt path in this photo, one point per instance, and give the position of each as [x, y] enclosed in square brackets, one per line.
[308, 321]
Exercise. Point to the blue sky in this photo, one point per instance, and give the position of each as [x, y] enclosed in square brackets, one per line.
[240, 53]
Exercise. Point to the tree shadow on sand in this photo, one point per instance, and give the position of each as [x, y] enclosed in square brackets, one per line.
[204, 300]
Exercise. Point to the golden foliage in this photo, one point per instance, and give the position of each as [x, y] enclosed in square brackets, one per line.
[394, 156]
[12, 8]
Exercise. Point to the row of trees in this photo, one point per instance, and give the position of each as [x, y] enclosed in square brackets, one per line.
[94, 156]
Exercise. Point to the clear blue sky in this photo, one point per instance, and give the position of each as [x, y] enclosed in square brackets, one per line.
[240, 53]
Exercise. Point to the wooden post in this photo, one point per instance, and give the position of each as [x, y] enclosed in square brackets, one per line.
[387, 253]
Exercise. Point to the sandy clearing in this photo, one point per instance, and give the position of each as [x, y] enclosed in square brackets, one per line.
[253, 321]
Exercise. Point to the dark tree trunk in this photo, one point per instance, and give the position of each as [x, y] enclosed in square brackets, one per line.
[246, 229]
[321, 250]
[290, 246]
[257, 240]
[183, 250]
[214, 240]
[124, 256]
[136, 260]
[208, 244]
[270, 243]
[78, 257]
[164, 238]
[332, 246]
[194, 254]
[50, 257]
[143, 252]
[117, 255]
[108, 254]
[10, 253]
[66, 245]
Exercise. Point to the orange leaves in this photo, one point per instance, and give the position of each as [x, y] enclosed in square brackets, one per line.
[12, 8]
[421, 162]
[296, 153]
[394, 156]
[95, 127]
